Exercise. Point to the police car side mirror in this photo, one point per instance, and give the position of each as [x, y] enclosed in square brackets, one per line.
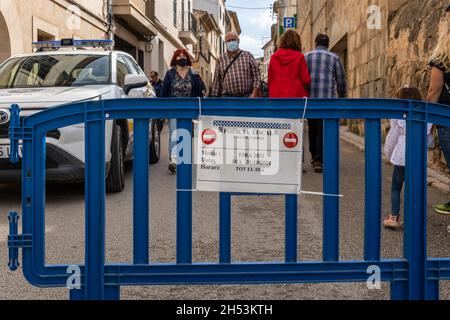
[134, 81]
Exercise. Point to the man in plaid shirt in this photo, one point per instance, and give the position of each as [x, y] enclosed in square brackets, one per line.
[327, 81]
[242, 78]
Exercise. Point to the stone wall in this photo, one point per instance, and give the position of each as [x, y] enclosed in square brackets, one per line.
[378, 61]
[23, 20]
[362, 50]
[413, 34]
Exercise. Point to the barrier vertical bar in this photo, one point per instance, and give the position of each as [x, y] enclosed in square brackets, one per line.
[184, 193]
[77, 295]
[141, 192]
[291, 228]
[433, 290]
[95, 204]
[14, 123]
[37, 199]
[372, 234]
[225, 228]
[112, 293]
[415, 243]
[399, 290]
[13, 219]
[32, 179]
[331, 187]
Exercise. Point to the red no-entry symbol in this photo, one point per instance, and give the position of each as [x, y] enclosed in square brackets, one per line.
[290, 140]
[209, 136]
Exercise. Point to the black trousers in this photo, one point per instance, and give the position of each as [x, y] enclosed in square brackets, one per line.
[316, 139]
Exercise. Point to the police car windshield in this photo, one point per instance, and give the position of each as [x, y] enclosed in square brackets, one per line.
[55, 71]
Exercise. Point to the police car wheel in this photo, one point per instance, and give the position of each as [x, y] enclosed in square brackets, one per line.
[115, 182]
[155, 143]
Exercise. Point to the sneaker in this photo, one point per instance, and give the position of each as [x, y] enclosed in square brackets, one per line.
[172, 167]
[443, 209]
[318, 167]
[392, 222]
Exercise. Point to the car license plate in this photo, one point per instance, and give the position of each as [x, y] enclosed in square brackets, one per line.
[5, 151]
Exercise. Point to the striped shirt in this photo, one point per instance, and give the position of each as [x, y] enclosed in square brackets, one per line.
[327, 74]
[241, 79]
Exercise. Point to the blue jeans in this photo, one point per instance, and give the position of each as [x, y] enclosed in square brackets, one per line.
[172, 139]
[398, 179]
[444, 141]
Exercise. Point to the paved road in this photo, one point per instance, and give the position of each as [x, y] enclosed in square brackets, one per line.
[258, 235]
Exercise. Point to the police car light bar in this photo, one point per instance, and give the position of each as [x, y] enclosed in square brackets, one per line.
[56, 44]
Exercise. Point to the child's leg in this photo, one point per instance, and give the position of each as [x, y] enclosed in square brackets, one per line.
[398, 178]
[172, 139]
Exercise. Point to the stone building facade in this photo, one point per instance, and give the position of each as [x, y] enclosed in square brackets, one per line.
[269, 49]
[149, 30]
[384, 44]
[23, 22]
[213, 23]
[219, 11]
[207, 49]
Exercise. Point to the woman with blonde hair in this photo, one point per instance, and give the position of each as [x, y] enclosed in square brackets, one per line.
[181, 81]
[439, 92]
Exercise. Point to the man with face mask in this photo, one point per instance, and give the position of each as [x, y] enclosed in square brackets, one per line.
[237, 72]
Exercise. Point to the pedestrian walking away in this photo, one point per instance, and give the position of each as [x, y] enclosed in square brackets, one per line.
[327, 81]
[157, 85]
[288, 72]
[180, 82]
[439, 92]
[237, 72]
[395, 150]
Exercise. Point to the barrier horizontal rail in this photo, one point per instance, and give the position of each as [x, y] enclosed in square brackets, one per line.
[263, 108]
[414, 277]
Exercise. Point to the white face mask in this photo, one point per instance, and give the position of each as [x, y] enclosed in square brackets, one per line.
[233, 46]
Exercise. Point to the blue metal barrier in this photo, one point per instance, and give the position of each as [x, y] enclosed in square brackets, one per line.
[413, 277]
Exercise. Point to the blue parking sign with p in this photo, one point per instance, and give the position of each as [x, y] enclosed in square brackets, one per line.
[289, 22]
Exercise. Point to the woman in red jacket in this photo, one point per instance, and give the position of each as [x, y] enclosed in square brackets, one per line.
[288, 72]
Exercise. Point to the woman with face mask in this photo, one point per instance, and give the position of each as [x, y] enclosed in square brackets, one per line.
[180, 82]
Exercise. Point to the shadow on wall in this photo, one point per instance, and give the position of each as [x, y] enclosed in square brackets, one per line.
[5, 43]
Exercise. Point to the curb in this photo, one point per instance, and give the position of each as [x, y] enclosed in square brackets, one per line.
[436, 179]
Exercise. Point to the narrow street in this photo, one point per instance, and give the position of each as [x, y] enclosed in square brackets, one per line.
[258, 234]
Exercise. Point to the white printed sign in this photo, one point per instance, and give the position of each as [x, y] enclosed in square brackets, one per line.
[249, 155]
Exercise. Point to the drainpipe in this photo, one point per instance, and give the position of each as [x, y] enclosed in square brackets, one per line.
[110, 19]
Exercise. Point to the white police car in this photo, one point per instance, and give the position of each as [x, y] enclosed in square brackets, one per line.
[57, 75]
